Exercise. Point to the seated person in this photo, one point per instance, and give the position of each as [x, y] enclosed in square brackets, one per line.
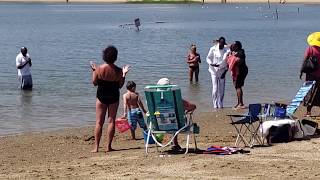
[188, 107]
[132, 107]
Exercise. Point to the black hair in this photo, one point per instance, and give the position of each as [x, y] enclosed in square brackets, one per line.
[130, 85]
[222, 42]
[238, 44]
[110, 54]
[222, 39]
[23, 49]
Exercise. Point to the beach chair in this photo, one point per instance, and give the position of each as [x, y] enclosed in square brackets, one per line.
[299, 97]
[247, 126]
[283, 114]
[167, 115]
[283, 111]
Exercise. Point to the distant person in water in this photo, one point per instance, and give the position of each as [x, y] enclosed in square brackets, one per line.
[137, 23]
[237, 65]
[23, 64]
[193, 59]
[133, 109]
[109, 78]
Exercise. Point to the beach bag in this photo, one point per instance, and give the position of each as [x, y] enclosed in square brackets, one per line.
[305, 128]
[310, 64]
[122, 125]
[280, 110]
[280, 134]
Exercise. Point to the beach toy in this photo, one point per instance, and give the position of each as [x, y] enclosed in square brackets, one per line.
[159, 137]
[122, 124]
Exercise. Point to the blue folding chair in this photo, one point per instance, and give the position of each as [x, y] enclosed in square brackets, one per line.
[246, 127]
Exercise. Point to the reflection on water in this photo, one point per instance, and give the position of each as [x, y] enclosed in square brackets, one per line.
[25, 109]
[61, 40]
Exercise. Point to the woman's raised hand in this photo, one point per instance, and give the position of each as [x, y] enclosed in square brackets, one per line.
[92, 65]
[125, 70]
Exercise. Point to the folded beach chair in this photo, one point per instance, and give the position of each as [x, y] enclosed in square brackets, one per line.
[247, 126]
[283, 111]
[301, 94]
[167, 115]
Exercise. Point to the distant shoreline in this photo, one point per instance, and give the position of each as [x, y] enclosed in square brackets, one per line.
[163, 1]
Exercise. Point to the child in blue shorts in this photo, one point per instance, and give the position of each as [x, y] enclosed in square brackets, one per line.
[133, 108]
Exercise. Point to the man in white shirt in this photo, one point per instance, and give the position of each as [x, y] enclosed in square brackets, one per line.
[218, 67]
[23, 64]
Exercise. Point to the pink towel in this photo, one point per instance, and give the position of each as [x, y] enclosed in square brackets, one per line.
[232, 60]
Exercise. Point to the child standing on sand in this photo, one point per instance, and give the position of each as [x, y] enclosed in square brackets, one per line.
[132, 106]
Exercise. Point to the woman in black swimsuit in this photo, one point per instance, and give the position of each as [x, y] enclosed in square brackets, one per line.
[109, 78]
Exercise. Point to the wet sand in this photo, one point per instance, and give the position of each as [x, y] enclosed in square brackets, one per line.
[65, 154]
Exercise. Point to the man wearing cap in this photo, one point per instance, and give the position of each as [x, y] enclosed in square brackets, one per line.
[23, 64]
[218, 68]
[313, 99]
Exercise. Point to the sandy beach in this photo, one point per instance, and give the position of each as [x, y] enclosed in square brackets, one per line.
[65, 154]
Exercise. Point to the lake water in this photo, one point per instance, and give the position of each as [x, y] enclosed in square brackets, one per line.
[63, 38]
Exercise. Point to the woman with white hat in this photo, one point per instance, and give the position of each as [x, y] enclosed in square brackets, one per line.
[188, 107]
[313, 99]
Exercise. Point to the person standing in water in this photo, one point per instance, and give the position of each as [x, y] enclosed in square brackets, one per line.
[193, 59]
[23, 64]
[218, 67]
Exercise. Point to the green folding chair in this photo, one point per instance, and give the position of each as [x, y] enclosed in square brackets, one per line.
[167, 115]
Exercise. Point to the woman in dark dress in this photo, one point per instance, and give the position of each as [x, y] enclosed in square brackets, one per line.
[237, 65]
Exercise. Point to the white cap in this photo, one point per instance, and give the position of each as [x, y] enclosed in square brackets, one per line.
[163, 81]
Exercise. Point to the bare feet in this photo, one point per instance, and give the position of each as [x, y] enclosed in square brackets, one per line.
[94, 151]
[239, 107]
